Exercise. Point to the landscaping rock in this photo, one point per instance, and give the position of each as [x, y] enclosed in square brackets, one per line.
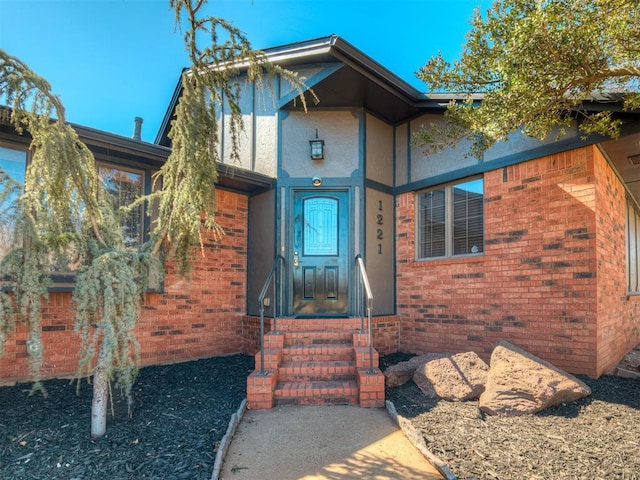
[423, 383]
[520, 383]
[458, 378]
[402, 372]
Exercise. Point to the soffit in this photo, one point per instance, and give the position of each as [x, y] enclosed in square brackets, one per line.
[349, 88]
[619, 151]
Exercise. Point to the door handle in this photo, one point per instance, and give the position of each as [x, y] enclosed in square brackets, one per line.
[296, 259]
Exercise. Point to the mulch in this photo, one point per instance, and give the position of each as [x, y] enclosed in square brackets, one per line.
[182, 411]
[595, 438]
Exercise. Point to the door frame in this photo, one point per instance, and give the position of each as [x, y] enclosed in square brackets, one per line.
[289, 221]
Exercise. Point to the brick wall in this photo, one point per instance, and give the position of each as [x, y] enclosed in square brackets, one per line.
[536, 284]
[195, 317]
[618, 314]
[386, 334]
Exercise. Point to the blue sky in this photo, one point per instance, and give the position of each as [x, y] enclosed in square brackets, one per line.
[113, 60]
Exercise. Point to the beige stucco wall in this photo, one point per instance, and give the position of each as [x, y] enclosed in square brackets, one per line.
[402, 153]
[340, 132]
[379, 247]
[414, 164]
[436, 163]
[245, 137]
[379, 150]
[259, 138]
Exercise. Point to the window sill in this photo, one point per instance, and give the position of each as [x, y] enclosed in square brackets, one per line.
[65, 283]
[473, 258]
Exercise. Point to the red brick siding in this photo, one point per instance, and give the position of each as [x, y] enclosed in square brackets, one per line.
[198, 316]
[386, 334]
[618, 314]
[251, 333]
[535, 285]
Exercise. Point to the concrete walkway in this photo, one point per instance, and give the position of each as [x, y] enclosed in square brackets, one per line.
[322, 443]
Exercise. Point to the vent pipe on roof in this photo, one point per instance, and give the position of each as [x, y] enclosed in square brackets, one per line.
[137, 129]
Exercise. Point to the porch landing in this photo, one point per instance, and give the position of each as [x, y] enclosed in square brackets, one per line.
[316, 361]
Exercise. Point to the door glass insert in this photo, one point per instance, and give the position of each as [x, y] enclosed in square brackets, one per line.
[320, 226]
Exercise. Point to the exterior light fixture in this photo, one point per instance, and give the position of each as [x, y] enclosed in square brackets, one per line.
[317, 148]
[316, 181]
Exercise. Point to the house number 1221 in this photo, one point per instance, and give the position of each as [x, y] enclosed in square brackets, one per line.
[380, 223]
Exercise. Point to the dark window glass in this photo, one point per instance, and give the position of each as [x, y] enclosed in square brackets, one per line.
[451, 220]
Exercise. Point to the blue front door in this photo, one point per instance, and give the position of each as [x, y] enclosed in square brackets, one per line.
[320, 252]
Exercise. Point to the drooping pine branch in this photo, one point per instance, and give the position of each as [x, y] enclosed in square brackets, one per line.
[187, 198]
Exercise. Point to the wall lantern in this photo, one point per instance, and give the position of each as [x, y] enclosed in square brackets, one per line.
[317, 148]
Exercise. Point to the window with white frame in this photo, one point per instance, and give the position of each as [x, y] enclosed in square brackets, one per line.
[450, 220]
[633, 247]
[13, 164]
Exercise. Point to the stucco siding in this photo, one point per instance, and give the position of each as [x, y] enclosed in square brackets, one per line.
[340, 132]
[245, 136]
[379, 151]
[402, 154]
[379, 252]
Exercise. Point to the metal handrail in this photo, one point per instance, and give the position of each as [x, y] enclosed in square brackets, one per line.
[362, 283]
[277, 262]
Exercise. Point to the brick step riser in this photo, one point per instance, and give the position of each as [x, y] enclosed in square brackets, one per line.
[315, 377]
[335, 324]
[313, 371]
[318, 357]
[341, 339]
[315, 393]
[350, 400]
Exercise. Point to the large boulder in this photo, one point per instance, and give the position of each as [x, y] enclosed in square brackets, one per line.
[520, 383]
[423, 383]
[402, 372]
[458, 378]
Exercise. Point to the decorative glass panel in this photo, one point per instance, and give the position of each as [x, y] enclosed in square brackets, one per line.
[320, 226]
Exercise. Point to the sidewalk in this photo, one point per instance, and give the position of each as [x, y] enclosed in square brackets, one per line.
[322, 443]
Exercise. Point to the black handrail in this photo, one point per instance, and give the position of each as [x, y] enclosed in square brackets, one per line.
[277, 263]
[362, 282]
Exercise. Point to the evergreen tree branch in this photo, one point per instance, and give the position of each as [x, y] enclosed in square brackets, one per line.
[537, 64]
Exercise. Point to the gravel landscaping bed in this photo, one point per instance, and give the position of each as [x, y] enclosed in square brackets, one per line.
[597, 437]
[181, 412]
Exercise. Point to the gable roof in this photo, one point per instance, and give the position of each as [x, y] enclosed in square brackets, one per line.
[371, 85]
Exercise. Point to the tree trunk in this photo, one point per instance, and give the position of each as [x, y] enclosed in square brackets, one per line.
[100, 394]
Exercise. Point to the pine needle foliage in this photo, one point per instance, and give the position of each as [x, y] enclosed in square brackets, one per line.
[62, 212]
[108, 294]
[540, 65]
[64, 209]
[187, 198]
